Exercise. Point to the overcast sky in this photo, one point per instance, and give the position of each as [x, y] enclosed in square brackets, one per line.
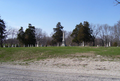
[45, 14]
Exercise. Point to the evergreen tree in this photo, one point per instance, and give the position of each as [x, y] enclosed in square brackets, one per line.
[84, 33]
[30, 36]
[20, 35]
[81, 33]
[75, 33]
[2, 31]
[57, 36]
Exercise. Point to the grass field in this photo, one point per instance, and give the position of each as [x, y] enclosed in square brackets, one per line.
[37, 53]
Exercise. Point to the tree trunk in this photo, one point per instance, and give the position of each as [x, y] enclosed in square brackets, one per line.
[1, 43]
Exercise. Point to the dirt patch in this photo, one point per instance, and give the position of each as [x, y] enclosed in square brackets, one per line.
[118, 56]
[73, 65]
[89, 54]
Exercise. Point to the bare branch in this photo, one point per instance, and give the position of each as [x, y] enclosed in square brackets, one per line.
[118, 2]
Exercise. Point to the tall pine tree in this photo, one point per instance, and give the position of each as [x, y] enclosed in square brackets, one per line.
[20, 36]
[2, 31]
[30, 36]
[84, 33]
[75, 33]
[57, 36]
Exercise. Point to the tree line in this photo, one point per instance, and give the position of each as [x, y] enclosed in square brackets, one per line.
[83, 32]
[90, 34]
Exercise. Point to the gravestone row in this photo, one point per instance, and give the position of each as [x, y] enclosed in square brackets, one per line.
[63, 44]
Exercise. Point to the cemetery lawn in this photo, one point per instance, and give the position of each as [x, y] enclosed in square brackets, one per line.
[38, 53]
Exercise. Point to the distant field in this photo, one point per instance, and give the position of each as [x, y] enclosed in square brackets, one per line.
[37, 53]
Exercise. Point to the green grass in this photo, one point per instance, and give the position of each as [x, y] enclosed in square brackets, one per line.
[37, 53]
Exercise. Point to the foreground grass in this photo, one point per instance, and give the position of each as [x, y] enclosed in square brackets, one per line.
[37, 53]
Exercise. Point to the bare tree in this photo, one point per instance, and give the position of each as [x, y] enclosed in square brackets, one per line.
[68, 38]
[96, 31]
[41, 37]
[116, 33]
[44, 38]
[11, 36]
[12, 33]
[102, 33]
[38, 34]
[118, 2]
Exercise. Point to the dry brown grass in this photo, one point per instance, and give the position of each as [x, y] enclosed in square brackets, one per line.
[89, 54]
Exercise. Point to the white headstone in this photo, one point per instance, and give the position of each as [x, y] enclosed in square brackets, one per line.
[4, 46]
[12, 45]
[83, 44]
[63, 40]
[58, 44]
[109, 44]
[15, 45]
[37, 45]
[97, 45]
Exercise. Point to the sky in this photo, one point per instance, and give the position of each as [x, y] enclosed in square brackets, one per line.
[45, 14]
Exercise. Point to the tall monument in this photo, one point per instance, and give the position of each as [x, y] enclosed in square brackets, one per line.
[63, 40]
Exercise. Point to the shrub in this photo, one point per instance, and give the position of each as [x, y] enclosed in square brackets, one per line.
[115, 44]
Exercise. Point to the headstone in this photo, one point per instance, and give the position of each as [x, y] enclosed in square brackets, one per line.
[97, 45]
[4, 46]
[58, 44]
[109, 44]
[70, 45]
[63, 40]
[37, 45]
[83, 44]
[12, 46]
[15, 45]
